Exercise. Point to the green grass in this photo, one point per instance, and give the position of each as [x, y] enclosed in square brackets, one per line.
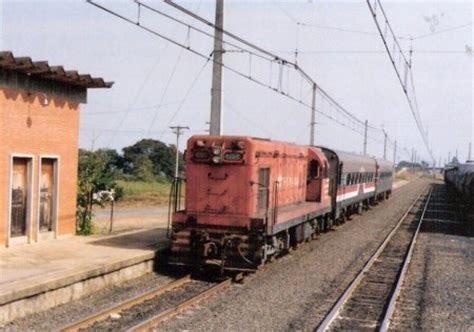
[140, 193]
[138, 188]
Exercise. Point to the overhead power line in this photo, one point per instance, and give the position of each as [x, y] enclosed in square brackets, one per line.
[443, 31]
[165, 90]
[402, 67]
[244, 46]
[275, 57]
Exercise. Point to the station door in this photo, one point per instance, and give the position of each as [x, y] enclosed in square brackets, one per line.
[19, 196]
[47, 195]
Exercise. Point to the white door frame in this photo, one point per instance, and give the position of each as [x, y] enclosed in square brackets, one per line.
[29, 205]
[55, 194]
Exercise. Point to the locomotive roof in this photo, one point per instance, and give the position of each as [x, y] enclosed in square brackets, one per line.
[241, 137]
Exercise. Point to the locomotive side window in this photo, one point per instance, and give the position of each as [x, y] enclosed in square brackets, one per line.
[313, 169]
[263, 189]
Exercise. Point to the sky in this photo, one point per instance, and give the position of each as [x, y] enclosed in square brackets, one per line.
[158, 84]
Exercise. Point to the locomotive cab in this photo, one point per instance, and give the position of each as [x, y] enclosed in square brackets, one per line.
[317, 172]
[248, 199]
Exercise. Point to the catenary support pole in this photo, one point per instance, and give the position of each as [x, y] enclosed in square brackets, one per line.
[395, 154]
[216, 90]
[365, 136]
[385, 145]
[469, 152]
[313, 116]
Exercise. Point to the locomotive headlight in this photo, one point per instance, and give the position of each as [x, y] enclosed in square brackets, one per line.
[216, 159]
[216, 151]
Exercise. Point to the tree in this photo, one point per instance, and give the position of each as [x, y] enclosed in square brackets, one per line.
[143, 168]
[94, 176]
[113, 161]
[161, 155]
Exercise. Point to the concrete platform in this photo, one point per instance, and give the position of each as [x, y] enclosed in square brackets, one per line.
[40, 276]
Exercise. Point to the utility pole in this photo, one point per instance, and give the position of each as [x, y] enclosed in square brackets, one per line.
[365, 137]
[469, 152]
[313, 116]
[384, 145]
[178, 130]
[395, 154]
[449, 157]
[216, 90]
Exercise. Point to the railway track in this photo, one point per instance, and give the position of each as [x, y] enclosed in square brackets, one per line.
[134, 314]
[446, 214]
[369, 301]
[151, 308]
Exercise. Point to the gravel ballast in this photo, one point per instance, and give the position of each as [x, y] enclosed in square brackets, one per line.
[438, 293]
[295, 292]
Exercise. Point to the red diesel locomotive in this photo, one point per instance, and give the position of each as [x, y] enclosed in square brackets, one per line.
[249, 199]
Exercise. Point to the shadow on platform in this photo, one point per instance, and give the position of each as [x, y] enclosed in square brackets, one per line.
[145, 239]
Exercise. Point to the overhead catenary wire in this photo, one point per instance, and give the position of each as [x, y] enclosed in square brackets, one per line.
[188, 91]
[165, 90]
[412, 104]
[269, 56]
[137, 95]
[442, 31]
[276, 57]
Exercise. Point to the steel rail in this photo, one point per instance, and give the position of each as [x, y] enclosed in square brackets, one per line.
[393, 300]
[155, 320]
[88, 321]
[334, 313]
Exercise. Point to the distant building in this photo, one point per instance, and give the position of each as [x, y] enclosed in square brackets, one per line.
[39, 129]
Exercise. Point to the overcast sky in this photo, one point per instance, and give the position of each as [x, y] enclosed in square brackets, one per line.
[158, 84]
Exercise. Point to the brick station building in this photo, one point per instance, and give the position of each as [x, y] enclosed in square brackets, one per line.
[39, 129]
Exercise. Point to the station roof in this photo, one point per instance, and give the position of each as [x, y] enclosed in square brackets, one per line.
[42, 69]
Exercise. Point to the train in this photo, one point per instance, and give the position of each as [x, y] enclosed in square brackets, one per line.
[461, 177]
[249, 200]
